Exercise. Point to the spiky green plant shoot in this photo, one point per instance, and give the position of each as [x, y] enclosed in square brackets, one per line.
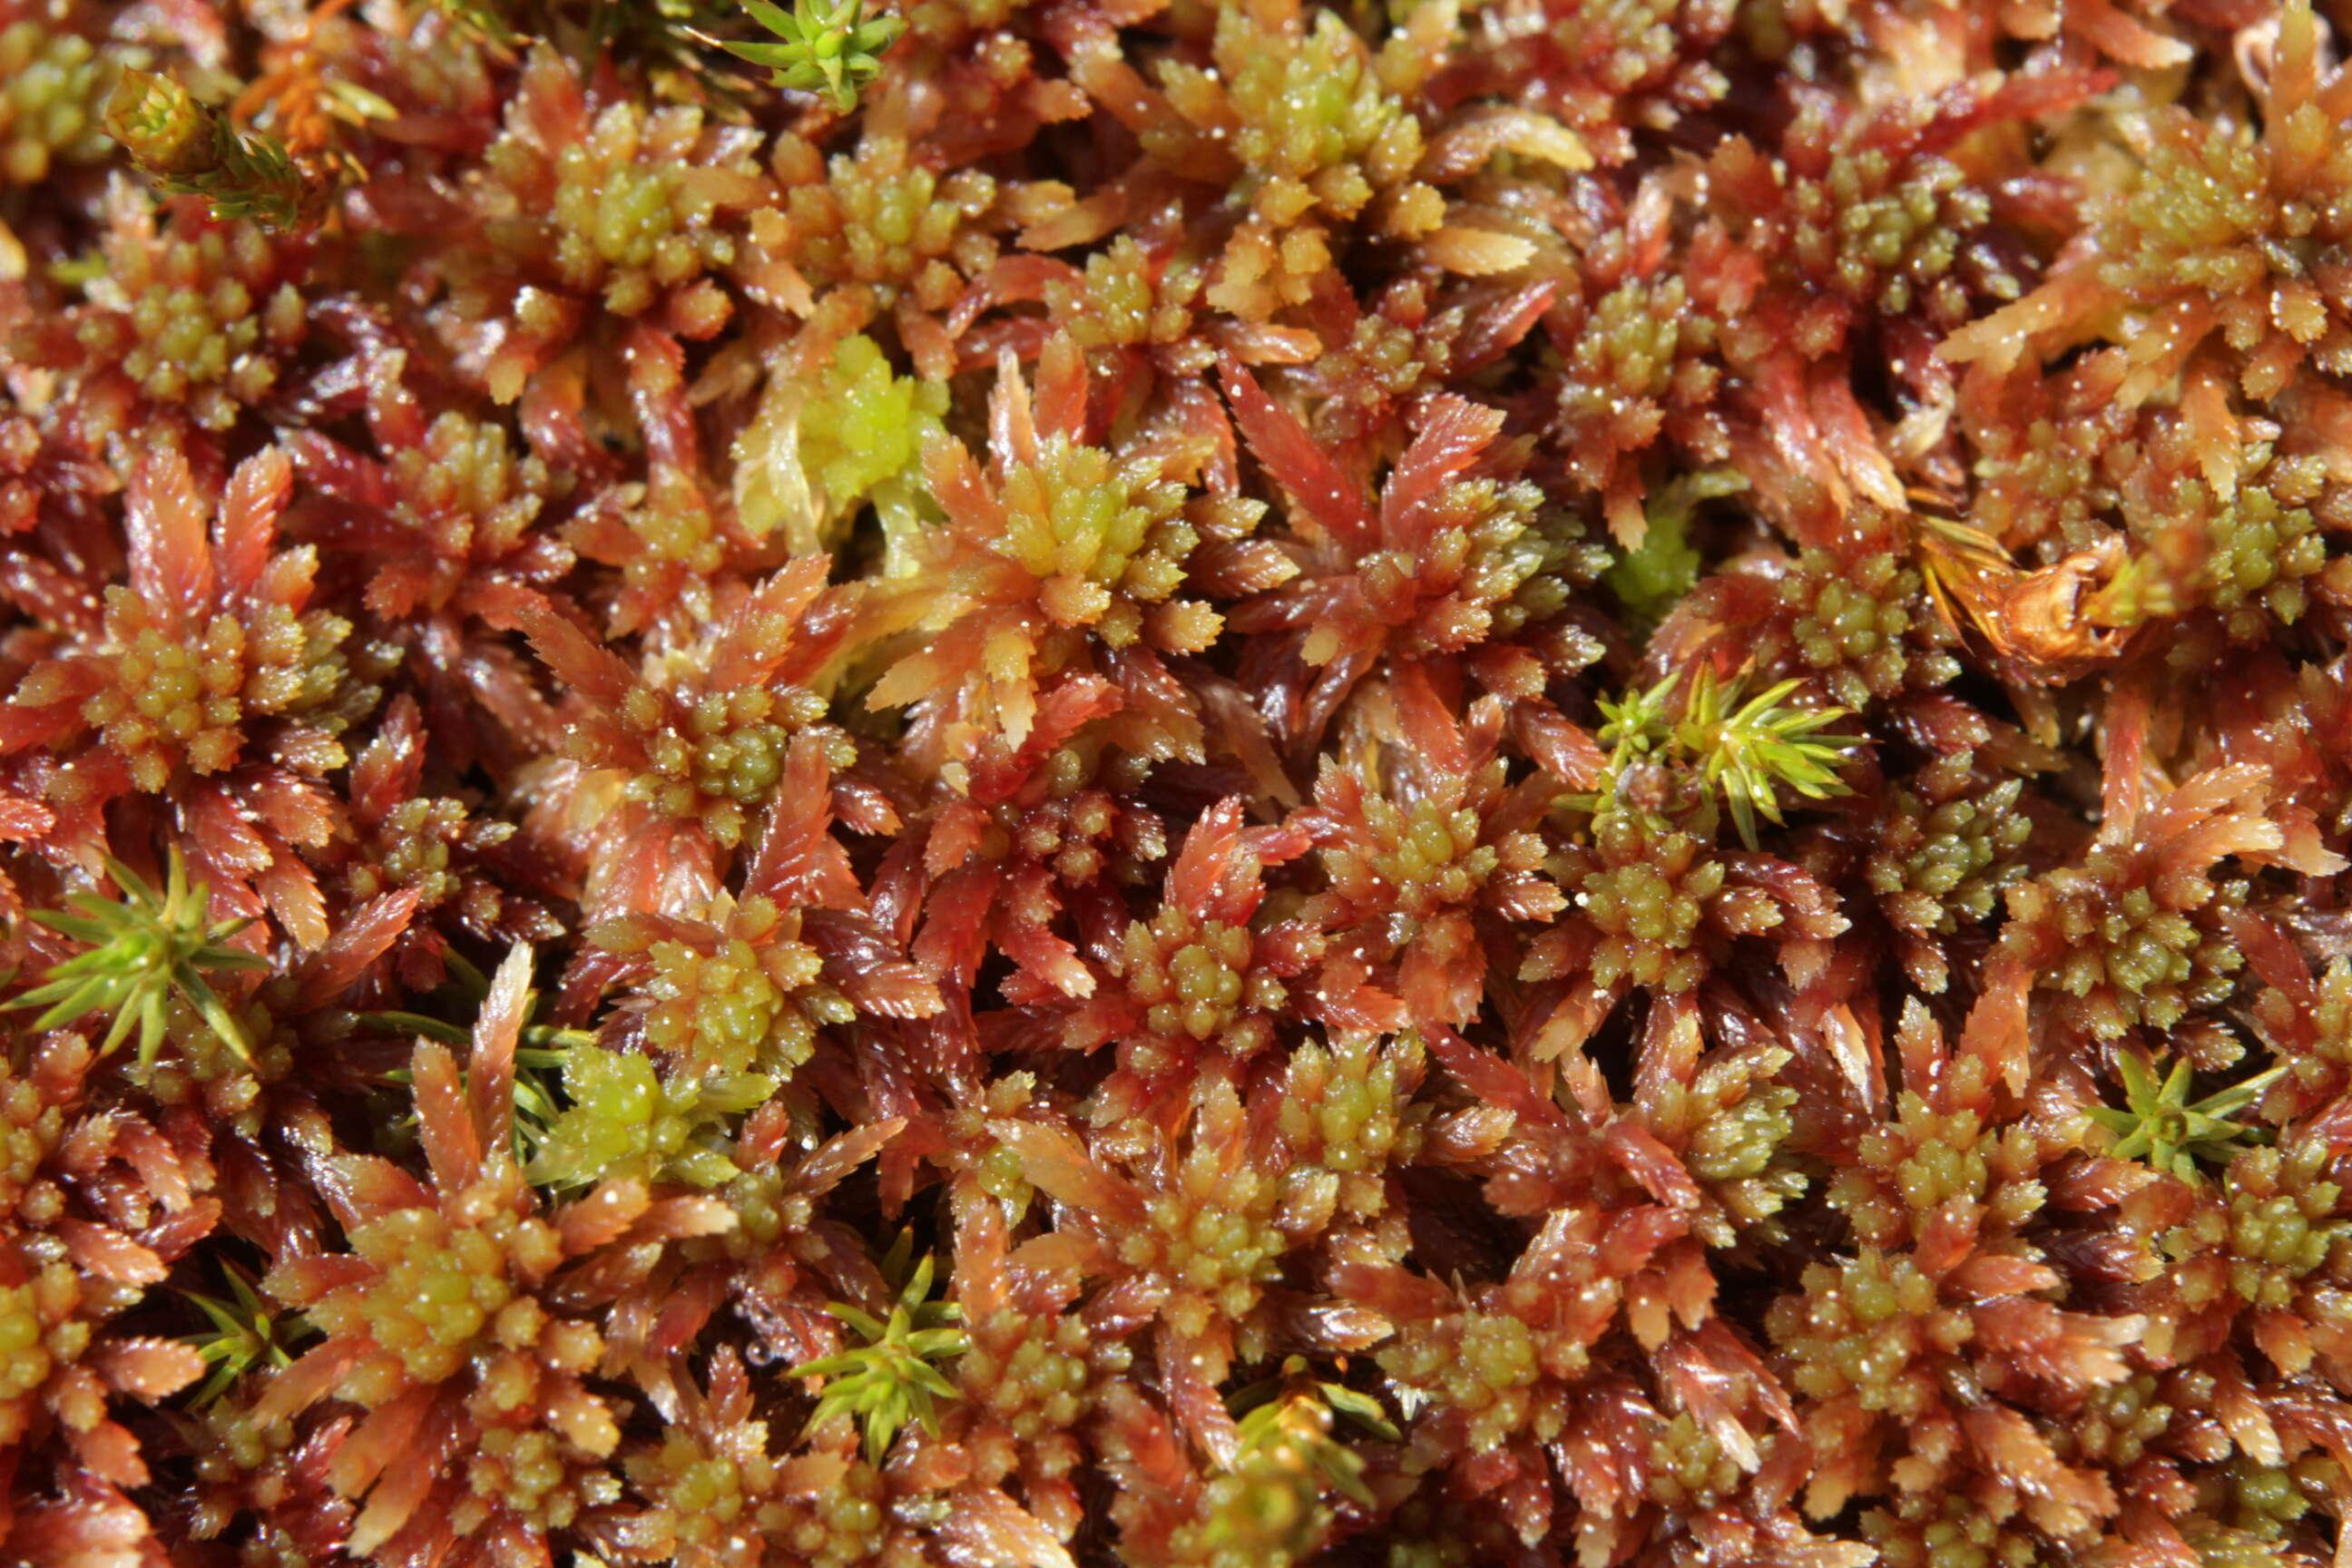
[245, 1334]
[189, 149]
[2159, 1124]
[829, 46]
[1751, 752]
[142, 951]
[889, 1379]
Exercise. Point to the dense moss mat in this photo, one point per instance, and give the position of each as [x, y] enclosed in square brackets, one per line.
[1424, 784]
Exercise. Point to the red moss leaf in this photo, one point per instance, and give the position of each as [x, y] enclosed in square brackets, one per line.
[109, 1253]
[678, 1219]
[92, 1526]
[248, 530]
[453, 1145]
[1060, 400]
[312, 1376]
[148, 1369]
[1060, 1252]
[1728, 1360]
[1997, 1031]
[1441, 976]
[1293, 461]
[1490, 1077]
[1602, 1450]
[1063, 710]
[755, 640]
[1999, 340]
[48, 706]
[2249, 1424]
[298, 809]
[954, 476]
[1342, 997]
[1846, 434]
[408, 1443]
[2063, 1500]
[799, 862]
[1211, 863]
[365, 936]
[1200, 1410]
[491, 1068]
[171, 1239]
[291, 889]
[2271, 954]
[1638, 1152]
[863, 807]
[1097, 66]
[391, 764]
[686, 1310]
[581, 663]
[171, 560]
[893, 989]
[22, 820]
[1858, 1052]
[160, 1165]
[298, 1281]
[108, 1452]
[1452, 435]
[1024, 935]
[1988, 1276]
[961, 827]
[982, 1528]
[1947, 1236]
[1432, 736]
[601, 1216]
[837, 1157]
[1056, 1162]
[1158, 718]
[1522, 1492]
[1636, 1235]
[361, 1187]
[955, 923]
[2304, 845]
[2122, 37]
[221, 840]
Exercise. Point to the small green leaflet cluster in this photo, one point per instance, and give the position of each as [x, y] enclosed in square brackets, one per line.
[586, 1111]
[623, 1117]
[2159, 1124]
[1652, 577]
[1750, 750]
[889, 1379]
[1289, 1423]
[483, 19]
[245, 1333]
[142, 951]
[540, 1059]
[191, 150]
[829, 46]
[1287, 1464]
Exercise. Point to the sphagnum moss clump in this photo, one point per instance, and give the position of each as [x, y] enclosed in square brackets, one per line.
[1536, 785]
[1948, 841]
[199, 317]
[50, 109]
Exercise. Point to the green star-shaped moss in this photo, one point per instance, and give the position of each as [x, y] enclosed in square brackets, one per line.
[2159, 1124]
